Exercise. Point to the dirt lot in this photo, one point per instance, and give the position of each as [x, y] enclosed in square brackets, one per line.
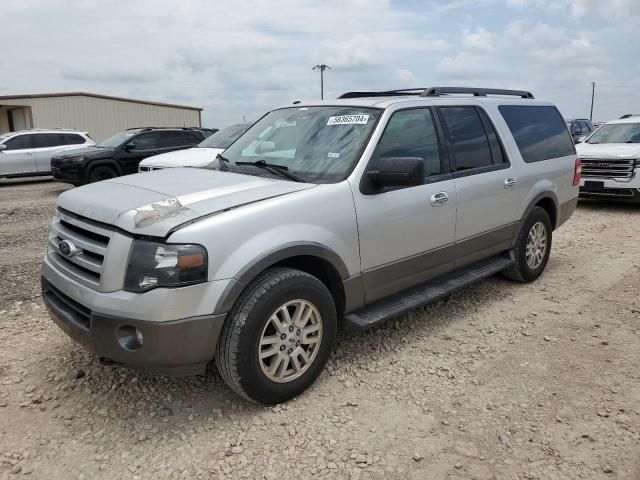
[501, 381]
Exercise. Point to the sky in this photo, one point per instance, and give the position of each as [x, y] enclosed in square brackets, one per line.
[239, 59]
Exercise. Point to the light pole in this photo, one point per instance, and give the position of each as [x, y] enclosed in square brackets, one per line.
[322, 68]
[593, 93]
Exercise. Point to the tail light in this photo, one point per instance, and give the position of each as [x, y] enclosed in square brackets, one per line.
[577, 172]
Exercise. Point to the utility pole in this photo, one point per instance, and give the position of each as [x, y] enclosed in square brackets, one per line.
[322, 67]
[593, 93]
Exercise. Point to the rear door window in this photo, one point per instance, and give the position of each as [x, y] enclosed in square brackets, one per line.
[170, 139]
[468, 138]
[192, 138]
[539, 131]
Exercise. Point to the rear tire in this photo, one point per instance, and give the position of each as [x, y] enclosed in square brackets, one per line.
[532, 248]
[101, 173]
[264, 354]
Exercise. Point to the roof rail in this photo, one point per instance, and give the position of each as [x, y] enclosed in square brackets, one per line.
[476, 92]
[385, 93]
[629, 115]
[439, 91]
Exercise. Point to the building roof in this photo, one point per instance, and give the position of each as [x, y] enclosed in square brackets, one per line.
[95, 95]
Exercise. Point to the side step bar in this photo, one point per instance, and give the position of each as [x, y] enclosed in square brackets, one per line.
[399, 303]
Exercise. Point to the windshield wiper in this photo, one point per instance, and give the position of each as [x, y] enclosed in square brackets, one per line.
[281, 170]
[223, 162]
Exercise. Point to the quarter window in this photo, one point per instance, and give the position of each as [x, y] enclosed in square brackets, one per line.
[469, 141]
[20, 142]
[539, 131]
[411, 133]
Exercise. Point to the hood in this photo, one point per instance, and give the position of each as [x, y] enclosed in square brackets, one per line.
[155, 203]
[91, 152]
[192, 157]
[608, 150]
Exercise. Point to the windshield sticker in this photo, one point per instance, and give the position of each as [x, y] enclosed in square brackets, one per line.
[348, 120]
[333, 155]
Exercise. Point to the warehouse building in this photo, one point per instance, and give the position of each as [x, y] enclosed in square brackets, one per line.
[100, 115]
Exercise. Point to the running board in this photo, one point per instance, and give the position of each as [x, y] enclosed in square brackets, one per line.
[399, 303]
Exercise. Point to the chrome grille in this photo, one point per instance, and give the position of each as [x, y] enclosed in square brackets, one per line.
[91, 239]
[607, 168]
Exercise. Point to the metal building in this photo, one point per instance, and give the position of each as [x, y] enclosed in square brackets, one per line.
[100, 115]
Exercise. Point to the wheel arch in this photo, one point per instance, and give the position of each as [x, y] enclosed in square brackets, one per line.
[548, 201]
[312, 258]
[108, 162]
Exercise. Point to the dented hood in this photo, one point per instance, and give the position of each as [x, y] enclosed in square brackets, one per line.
[156, 203]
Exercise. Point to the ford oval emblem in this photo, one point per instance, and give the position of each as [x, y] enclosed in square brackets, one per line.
[67, 248]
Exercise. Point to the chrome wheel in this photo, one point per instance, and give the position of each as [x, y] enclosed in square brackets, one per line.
[290, 341]
[536, 245]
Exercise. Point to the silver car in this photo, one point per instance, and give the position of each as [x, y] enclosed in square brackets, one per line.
[354, 211]
[29, 152]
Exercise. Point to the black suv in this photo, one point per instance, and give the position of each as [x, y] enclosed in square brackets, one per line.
[579, 127]
[120, 154]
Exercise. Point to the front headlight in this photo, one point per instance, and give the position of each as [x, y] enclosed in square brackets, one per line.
[74, 160]
[155, 264]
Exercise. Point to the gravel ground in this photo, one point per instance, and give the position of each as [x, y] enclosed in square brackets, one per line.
[499, 381]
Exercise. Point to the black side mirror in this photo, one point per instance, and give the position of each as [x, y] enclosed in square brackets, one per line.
[129, 146]
[398, 171]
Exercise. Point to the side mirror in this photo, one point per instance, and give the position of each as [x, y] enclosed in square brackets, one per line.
[265, 146]
[130, 146]
[582, 139]
[398, 171]
[2, 147]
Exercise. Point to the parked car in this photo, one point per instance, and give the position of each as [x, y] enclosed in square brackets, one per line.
[611, 161]
[579, 127]
[388, 201]
[199, 156]
[29, 152]
[120, 154]
[207, 132]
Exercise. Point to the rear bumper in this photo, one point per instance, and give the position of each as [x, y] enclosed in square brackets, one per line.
[179, 347]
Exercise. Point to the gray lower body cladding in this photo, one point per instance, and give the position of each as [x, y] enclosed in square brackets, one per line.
[180, 347]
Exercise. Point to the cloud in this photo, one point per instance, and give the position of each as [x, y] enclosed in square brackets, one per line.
[240, 59]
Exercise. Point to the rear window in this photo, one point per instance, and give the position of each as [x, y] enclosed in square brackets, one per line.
[539, 131]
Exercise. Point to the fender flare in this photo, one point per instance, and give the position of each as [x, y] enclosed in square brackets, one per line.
[541, 196]
[288, 250]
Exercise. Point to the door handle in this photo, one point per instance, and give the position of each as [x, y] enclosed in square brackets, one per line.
[510, 182]
[439, 199]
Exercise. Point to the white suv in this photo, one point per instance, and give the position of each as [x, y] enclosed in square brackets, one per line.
[199, 156]
[29, 152]
[611, 161]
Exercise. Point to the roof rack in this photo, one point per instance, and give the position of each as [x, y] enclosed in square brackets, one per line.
[386, 93]
[440, 91]
[476, 92]
[629, 115]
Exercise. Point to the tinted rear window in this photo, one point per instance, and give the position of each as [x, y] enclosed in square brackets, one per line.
[540, 132]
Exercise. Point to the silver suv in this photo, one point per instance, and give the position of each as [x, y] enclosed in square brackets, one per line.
[356, 211]
[29, 152]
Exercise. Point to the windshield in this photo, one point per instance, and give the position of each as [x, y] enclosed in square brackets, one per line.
[316, 144]
[225, 137]
[617, 133]
[117, 140]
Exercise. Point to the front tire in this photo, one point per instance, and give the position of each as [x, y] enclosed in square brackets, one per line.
[532, 248]
[277, 337]
[99, 174]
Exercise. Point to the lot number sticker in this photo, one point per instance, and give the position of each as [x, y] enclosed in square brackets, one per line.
[348, 120]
